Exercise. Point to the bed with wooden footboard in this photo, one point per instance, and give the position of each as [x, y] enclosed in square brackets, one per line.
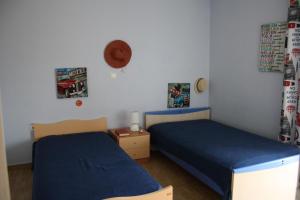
[237, 164]
[77, 159]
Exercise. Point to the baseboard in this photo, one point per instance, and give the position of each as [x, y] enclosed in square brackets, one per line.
[19, 164]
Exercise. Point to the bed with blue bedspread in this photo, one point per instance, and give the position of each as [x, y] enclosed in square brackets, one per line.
[214, 152]
[86, 165]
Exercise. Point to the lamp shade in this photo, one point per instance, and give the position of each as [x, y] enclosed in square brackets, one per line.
[135, 118]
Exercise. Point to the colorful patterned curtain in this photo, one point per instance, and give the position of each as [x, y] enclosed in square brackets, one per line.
[290, 113]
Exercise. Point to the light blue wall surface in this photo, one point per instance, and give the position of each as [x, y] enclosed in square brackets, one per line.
[169, 40]
[240, 95]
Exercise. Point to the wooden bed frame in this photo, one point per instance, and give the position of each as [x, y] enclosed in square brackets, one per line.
[260, 182]
[163, 194]
[4, 181]
[94, 125]
[69, 127]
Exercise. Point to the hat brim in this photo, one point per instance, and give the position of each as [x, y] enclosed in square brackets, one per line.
[118, 45]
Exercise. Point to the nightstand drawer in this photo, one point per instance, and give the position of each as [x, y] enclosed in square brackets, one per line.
[135, 142]
[138, 153]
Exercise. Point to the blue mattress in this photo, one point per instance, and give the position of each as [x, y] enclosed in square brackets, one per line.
[88, 166]
[216, 150]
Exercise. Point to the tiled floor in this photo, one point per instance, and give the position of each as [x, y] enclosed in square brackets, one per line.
[186, 187]
[20, 178]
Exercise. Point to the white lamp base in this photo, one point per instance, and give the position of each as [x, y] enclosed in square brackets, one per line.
[134, 127]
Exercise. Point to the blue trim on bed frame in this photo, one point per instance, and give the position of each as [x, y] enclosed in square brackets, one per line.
[193, 171]
[177, 111]
[268, 165]
[208, 181]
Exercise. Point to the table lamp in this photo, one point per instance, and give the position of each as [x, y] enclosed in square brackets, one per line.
[134, 121]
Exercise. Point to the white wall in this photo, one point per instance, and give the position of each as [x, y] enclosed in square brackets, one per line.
[239, 94]
[169, 39]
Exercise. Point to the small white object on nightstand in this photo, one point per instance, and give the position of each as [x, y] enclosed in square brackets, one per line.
[134, 121]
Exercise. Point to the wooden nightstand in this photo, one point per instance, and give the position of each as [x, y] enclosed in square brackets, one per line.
[136, 145]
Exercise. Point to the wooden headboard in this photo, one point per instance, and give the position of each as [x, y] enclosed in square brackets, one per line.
[69, 127]
[174, 115]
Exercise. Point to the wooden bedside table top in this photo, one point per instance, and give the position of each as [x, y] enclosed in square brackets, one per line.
[132, 133]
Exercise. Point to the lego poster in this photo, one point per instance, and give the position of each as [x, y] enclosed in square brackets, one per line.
[71, 82]
[272, 47]
[178, 95]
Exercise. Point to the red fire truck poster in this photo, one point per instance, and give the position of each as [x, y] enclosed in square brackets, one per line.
[71, 82]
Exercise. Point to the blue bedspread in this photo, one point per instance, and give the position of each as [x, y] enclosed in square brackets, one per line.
[88, 166]
[215, 149]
